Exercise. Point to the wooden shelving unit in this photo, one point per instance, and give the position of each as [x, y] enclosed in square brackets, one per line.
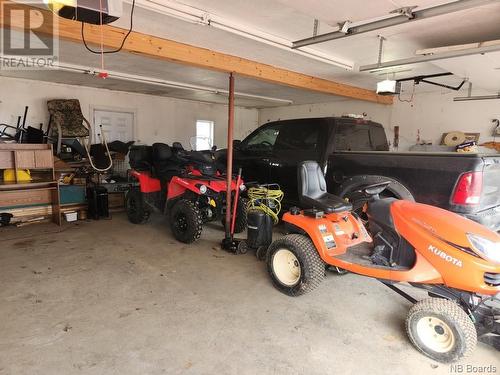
[42, 190]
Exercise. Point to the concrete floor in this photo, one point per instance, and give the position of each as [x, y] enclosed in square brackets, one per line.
[110, 297]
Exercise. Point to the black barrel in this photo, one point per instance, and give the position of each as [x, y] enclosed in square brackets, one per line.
[260, 229]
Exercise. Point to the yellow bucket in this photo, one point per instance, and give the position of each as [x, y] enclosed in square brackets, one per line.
[23, 175]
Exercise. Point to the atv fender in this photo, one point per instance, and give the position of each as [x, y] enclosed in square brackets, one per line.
[178, 186]
[147, 183]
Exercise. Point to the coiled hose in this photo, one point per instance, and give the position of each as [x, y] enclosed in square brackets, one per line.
[266, 198]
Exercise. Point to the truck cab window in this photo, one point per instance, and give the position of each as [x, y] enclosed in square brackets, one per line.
[298, 137]
[378, 139]
[262, 140]
[360, 137]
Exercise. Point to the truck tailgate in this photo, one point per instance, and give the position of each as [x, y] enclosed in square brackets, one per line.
[491, 183]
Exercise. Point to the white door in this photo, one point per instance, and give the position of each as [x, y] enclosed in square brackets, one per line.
[116, 125]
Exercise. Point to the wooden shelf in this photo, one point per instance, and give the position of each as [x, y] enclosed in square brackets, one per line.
[27, 185]
[19, 194]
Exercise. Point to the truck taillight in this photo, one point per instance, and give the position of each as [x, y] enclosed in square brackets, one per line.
[468, 189]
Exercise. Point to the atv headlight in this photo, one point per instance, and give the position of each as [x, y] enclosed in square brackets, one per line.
[203, 189]
[485, 248]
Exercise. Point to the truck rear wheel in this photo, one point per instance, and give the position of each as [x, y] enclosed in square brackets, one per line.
[348, 190]
[186, 221]
[294, 265]
[441, 330]
[136, 210]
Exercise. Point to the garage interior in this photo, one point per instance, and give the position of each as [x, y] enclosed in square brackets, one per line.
[100, 295]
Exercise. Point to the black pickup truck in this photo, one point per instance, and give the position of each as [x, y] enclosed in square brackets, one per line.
[355, 152]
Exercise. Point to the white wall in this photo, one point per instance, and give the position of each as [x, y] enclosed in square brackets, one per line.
[375, 112]
[436, 113]
[433, 113]
[158, 119]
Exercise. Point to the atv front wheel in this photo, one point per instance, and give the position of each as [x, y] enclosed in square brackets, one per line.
[294, 265]
[186, 221]
[136, 210]
[441, 330]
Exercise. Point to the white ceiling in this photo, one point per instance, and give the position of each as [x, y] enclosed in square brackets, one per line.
[289, 20]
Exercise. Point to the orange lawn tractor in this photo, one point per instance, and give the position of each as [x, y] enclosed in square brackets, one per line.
[456, 260]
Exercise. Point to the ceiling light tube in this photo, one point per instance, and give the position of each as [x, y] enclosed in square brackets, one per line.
[166, 83]
[478, 97]
[198, 16]
[282, 44]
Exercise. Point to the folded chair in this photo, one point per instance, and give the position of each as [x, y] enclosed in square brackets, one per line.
[69, 126]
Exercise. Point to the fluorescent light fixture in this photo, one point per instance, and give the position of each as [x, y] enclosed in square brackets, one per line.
[479, 97]
[388, 87]
[198, 16]
[165, 83]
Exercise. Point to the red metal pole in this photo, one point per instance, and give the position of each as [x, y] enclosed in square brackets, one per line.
[229, 166]
[235, 204]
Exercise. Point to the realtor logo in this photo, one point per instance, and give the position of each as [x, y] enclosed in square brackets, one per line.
[28, 36]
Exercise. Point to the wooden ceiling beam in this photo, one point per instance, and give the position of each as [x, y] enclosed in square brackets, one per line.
[154, 47]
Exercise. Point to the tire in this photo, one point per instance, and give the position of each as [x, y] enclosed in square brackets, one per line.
[352, 184]
[186, 221]
[294, 265]
[348, 188]
[441, 330]
[136, 210]
[241, 216]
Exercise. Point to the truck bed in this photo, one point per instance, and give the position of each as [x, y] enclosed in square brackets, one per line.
[430, 176]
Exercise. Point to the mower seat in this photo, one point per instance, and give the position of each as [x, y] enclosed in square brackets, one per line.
[312, 190]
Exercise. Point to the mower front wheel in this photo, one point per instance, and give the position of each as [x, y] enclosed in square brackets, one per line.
[136, 210]
[186, 221]
[441, 330]
[294, 265]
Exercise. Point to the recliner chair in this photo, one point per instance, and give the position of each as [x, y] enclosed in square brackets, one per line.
[313, 193]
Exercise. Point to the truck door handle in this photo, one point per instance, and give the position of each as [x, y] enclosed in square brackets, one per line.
[274, 164]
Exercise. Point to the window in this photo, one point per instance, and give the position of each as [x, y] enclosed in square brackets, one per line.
[299, 136]
[360, 137]
[204, 135]
[263, 140]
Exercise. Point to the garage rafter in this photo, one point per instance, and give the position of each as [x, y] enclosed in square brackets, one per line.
[168, 50]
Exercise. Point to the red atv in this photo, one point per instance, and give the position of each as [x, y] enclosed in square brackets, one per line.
[186, 185]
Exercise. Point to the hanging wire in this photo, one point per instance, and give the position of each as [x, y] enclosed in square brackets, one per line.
[124, 38]
[411, 96]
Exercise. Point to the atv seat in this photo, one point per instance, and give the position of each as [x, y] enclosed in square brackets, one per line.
[177, 146]
[164, 167]
[312, 190]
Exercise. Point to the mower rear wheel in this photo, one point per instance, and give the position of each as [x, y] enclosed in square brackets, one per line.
[441, 330]
[294, 265]
[186, 221]
[136, 210]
